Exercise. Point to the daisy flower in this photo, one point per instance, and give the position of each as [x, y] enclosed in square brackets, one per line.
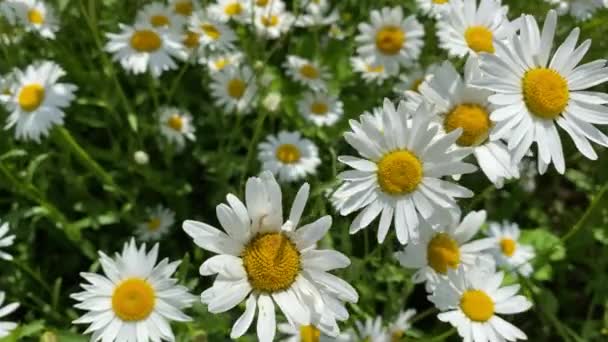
[176, 126]
[213, 34]
[459, 105]
[402, 324]
[272, 23]
[194, 50]
[369, 71]
[38, 17]
[306, 72]
[264, 261]
[234, 88]
[471, 301]
[272, 101]
[507, 251]
[135, 299]
[5, 241]
[289, 156]
[321, 108]
[534, 93]
[470, 29]
[264, 5]
[399, 172]
[433, 8]
[370, 330]
[225, 10]
[158, 222]
[309, 333]
[390, 39]
[6, 327]
[446, 247]
[161, 16]
[143, 47]
[413, 78]
[184, 8]
[317, 13]
[219, 62]
[36, 101]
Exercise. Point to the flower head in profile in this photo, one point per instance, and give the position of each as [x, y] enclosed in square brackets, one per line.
[508, 251]
[273, 23]
[401, 324]
[370, 71]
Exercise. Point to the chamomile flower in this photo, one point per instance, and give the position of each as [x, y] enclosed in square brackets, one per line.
[398, 175]
[183, 8]
[6, 327]
[36, 100]
[289, 156]
[264, 260]
[234, 88]
[5, 241]
[225, 10]
[398, 328]
[176, 125]
[194, 50]
[508, 251]
[160, 15]
[306, 72]
[446, 247]
[135, 299]
[272, 23]
[411, 80]
[470, 29]
[39, 17]
[471, 301]
[158, 221]
[213, 35]
[433, 8]
[459, 105]
[534, 93]
[219, 62]
[303, 333]
[265, 5]
[369, 71]
[321, 108]
[371, 330]
[317, 13]
[390, 39]
[143, 47]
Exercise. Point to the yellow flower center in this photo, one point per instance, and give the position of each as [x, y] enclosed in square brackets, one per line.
[508, 246]
[397, 335]
[36, 17]
[319, 108]
[272, 262]
[477, 305]
[474, 121]
[236, 88]
[479, 39]
[374, 68]
[288, 153]
[443, 252]
[175, 122]
[133, 300]
[145, 41]
[184, 8]
[270, 20]
[440, 2]
[154, 224]
[399, 172]
[546, 92]
[159, 20]
[191, 40]
[233, 9]
[221, 63]
[309, 71]
[211, 31]
[416, 85]
[390, 39]
[31, 97]
[309, 333]
[261, 3]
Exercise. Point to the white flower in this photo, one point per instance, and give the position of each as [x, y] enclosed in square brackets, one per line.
[184, 8]
[176, 125]
[213, 34]
[141, 157]
[265, 261]
[433, 8]
[289, 156]
[507, 251]
[468, 29]
[370, 72]
[303, 333]
[143, 47]
[321, 108]
[272, 101]
[402, 324]
[219, 62]
[5, 241]
[37, 16]
[36, 100]
[7, 82]
[225, 10]
[371, 330]
[459, 105]
[534, 93]
[446, 247]
[6, 327]
[158, 222]
[399, 174]
[470, 301]
[272, 23]
[234, 88]
[390, 39]
[317, 13]
[160, 15]
[306, 72]
[135, 298]
[411, 80]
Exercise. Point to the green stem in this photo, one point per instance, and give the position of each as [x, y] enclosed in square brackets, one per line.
[252, 148]
[590, 209]
[32, 274]
[424, 314]
[442, 336]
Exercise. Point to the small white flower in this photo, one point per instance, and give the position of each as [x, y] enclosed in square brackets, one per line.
[5, 241]
[158, 221]
[225, 10]
[321, 108]
[411, 80]
[176, 125]
[306, 72]
[272, 23]
[507, 251]
[401, 325]
[433, 8]
[370, 72]
[235, 89]
[370, 330]
[37, 16]
[160, 15]
[317, 13]
[141, 157]
[272, 101]
[289, 156]
[213, 34]
[6, 327]
[219, 62]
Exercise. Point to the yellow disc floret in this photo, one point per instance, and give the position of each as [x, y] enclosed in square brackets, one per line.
[184, 8]
[443, 253]
[35, 17]
[440, 2]
[270, 20]
[507, 246]
[272, 262]
[546, 92]
[176, 122]
[390, 39]
[133, 300]
[479, 39]
[31, 97]
[233, 9]
[309, 71]
[159, 20]
[191, 40]
[145, 41]
[474, 121]
[211, 31]
[154, 224]
[477, 305]
[236, 88]
[319, 108]
[309, 333]
[288, 153]
[399, 172]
